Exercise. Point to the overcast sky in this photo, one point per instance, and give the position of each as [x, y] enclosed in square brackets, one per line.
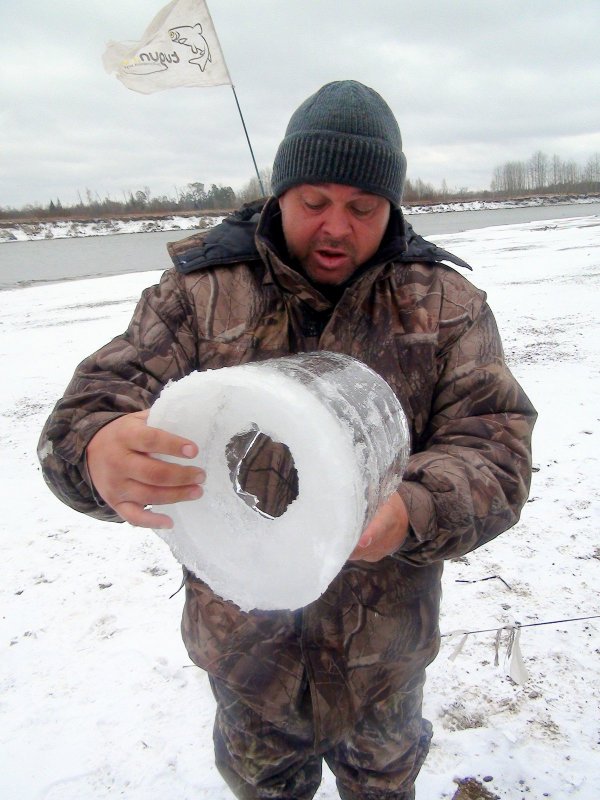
[473, 83]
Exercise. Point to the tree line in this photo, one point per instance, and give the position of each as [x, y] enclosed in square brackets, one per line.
[543, 173]
[540, 173]
[194, 196]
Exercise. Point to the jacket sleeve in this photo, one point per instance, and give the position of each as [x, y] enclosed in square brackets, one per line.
[471, 477]
[124, 376]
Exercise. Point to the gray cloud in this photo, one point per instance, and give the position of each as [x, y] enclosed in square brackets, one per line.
[473, 83]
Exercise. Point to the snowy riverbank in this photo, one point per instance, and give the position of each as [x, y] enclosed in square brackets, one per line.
[99, 699]
[28, 231]
[67, 229]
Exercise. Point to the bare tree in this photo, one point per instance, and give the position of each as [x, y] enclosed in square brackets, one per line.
[557, 176]
[252, 191]
[538, 170]
[591, 172]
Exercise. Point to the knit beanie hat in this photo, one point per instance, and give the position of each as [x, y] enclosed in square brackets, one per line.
[344, 133]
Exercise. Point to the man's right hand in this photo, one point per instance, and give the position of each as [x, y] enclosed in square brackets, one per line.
[127, 476]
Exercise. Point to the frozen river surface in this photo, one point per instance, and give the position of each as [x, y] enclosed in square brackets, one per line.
[26, 262]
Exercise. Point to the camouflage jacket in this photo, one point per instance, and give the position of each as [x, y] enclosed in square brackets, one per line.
[232, 298]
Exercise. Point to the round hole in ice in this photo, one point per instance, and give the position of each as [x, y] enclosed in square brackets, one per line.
[262, 472]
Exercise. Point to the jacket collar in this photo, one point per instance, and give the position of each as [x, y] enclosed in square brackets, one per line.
[239, 236]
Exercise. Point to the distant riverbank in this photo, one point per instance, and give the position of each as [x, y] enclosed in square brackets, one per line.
[67, 229]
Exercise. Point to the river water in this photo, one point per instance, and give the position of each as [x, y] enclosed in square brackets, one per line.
[24, 263]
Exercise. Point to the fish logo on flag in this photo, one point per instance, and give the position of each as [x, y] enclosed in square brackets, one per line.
[179, 48]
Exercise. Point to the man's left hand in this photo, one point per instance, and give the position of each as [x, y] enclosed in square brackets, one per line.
[385, 533]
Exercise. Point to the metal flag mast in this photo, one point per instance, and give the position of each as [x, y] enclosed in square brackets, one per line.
[260, 183]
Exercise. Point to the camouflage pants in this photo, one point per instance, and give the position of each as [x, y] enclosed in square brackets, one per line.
[340, 680]
[260, 761]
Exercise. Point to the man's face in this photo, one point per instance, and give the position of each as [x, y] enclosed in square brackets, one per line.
[331, 229]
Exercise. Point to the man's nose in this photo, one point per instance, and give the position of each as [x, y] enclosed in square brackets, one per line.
[336, 223]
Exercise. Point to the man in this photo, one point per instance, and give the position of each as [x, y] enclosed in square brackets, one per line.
[328, 265]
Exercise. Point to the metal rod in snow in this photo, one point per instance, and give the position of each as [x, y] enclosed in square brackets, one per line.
[260, 183]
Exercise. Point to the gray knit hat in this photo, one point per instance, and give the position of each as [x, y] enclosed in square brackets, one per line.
[344, 133]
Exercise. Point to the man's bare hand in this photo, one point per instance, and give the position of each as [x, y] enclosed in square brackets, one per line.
[385, 533]
[121, 464]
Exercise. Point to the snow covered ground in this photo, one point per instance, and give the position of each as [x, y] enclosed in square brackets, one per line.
[98, 697]
[106, 227]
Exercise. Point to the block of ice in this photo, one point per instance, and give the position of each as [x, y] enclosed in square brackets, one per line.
[299, 453]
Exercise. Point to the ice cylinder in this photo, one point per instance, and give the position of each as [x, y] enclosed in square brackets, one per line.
[334, 435]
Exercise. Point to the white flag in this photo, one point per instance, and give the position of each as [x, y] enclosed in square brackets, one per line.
[179, 48]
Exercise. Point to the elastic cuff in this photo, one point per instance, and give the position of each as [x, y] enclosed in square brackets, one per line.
[421, 514]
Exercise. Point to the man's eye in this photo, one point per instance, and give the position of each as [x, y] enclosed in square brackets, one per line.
[359, 211]
[314, 206]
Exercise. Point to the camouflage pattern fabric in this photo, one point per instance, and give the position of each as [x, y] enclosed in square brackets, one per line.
[259, 760]
[353, 666]
[431, 335]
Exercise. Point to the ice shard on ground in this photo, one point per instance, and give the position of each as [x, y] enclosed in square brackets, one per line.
[299, 453]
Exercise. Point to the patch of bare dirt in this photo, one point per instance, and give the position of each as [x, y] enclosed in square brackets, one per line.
[472, 789]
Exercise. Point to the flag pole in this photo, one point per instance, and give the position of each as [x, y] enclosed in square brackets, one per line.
[119, 54]
[260, 183]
